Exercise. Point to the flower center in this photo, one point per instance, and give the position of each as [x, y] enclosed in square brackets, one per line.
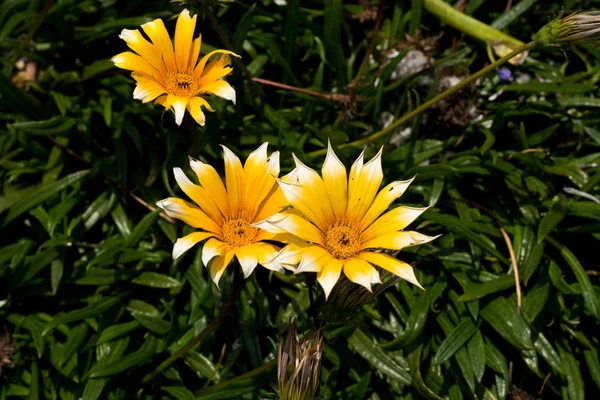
[238, 232]
[181, 84]
[342, 241]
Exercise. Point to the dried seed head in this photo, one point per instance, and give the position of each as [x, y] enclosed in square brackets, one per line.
[7, 350]
[574, 29]
[299, 364]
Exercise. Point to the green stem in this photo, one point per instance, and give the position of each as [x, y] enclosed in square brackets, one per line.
[251, 374]
[205, 332]
[407, 117]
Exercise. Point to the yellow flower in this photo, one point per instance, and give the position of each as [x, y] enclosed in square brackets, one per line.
[342, 225]
[226, 214]
[171, 77]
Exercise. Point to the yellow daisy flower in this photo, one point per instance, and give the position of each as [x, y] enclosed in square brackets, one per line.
[170, 76]
[226, 214]
[341, 223]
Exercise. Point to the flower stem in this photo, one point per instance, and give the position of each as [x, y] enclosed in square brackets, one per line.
[205, 332]
[407, 117]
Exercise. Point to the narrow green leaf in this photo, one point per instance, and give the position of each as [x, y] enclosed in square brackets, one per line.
[455, 340]
[551, 220]
[141, 356]
[587, 290]
[42, 193]
[377, 357]
[55, 126]
[156, 280]
[92, 310]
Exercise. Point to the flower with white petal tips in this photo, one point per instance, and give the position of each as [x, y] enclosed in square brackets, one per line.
[227, 214]
[341, 222]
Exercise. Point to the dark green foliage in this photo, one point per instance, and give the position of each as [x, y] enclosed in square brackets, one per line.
[94, 302]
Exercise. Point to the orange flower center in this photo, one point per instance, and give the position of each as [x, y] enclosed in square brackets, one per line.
[342, 240]
[181, 84]
[238, 232]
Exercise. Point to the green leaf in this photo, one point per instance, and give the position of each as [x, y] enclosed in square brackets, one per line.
[332, 31]
[242, 29]
[93, 310]
[55, 126]
[587, 290]
[455, 340]
[551, 220]
[140, 229]
[42, 193]
[156, 280]
[377, 357]
[141, 356]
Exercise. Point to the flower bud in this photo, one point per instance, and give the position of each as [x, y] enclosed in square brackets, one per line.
[299, 364]
[576, 28]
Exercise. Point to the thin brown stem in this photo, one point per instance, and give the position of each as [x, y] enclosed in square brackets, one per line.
[511, 251]
[66, 149]
[149, 207]
[329, 97]
[202, 335]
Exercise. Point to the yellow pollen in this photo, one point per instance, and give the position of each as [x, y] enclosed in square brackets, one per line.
[181, 84]
[342, 241]
[238, 232]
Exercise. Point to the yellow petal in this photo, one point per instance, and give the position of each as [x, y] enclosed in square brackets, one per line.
[360, 272]
[329, 275]
[218, 266]
[314, 259]
[187, 242]
[391, 264]
[314, 192]
[392, 221]
[221, 89]
[398, 240]
[266, 252]
[233, 179]
[383, 200]
[300, 227]
[194, 107]
[162, 100]
[247, 257]
[260, 173]
[147, 89]
[184, 34]
[211, 181]
[362, 193]
[301, 199]
[145, 49]
[195, 52]
[200, 67]
[178, 104]
[273, 203]
[133, 62]
[199, 195]
[291, 255]
[336, 182]
[216, 69]
[188, 213]
[213, 248]
[158, 34]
